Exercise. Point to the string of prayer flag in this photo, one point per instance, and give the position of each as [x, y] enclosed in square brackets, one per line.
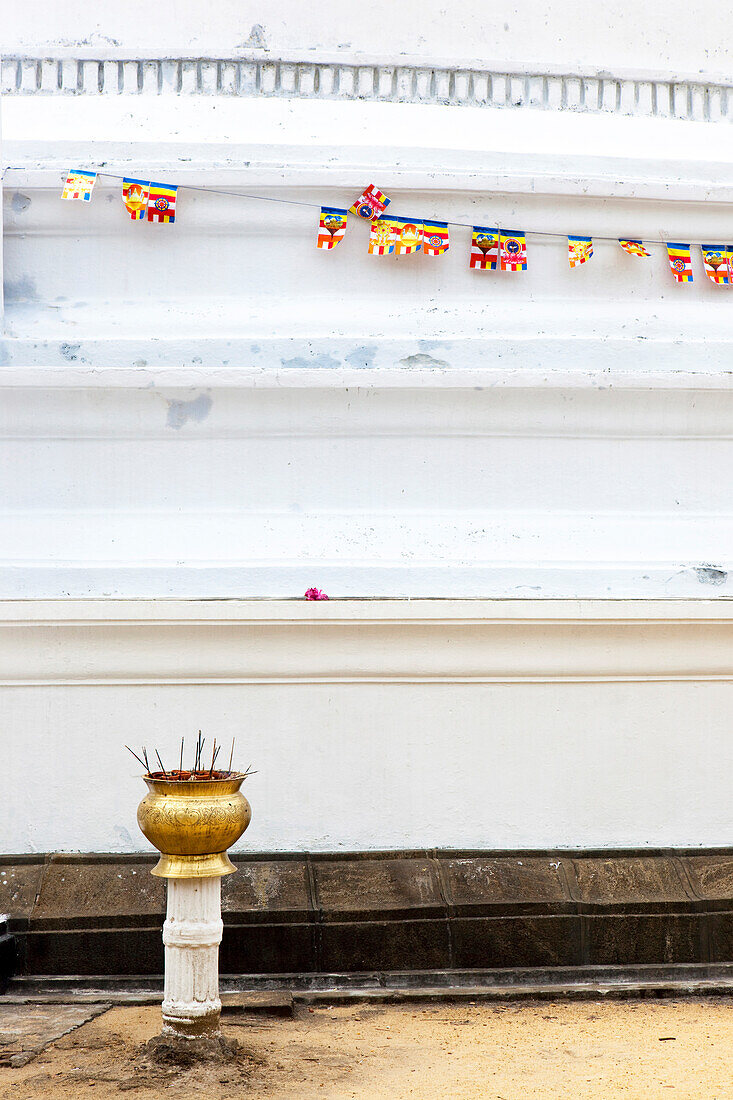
[512, 251]
[491, 248]
[580, 250]
[162, 203]
[634, 248]
[680, 261]
[371, 204]
[435, 238]
[331, 227]
[484, 248]
[79, 185]
[716, 259]
[135, 195]
[408, 235]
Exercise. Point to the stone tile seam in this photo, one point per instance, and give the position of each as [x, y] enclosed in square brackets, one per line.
[707, 937]
[683, 872]
[446, 896]
[48, 859]
[459, 86]
[315, 914]
[567, 872]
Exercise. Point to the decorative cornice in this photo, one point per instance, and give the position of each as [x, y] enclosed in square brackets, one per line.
[646, 95]
[96, 642]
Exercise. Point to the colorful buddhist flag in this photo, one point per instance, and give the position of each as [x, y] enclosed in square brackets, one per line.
[408, 234]
[135, 195]
[716, 260]
[680, 261]
[580, 250]
[382, 237]
[484, 248]
[512, 251]
[162, 203]
[79, 185]
[331, 227]
[634, 248]
[435, 239]
[371, 204]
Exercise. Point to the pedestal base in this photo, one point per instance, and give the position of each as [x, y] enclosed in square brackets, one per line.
[175, 1050]
[192, 934]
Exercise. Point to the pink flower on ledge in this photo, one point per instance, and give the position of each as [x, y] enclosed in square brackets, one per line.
[315, 594]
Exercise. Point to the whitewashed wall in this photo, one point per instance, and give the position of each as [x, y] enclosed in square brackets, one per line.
[377, 724]
[379, 426]
[623, 35]
[215, 409]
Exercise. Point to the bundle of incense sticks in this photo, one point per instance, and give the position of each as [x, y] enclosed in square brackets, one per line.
[198, 771]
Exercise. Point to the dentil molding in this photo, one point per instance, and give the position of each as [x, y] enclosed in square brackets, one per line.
[642, 94]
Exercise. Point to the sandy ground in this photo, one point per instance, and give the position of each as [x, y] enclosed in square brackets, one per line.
[637, 1049]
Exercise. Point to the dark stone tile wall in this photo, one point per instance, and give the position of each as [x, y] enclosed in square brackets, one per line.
[369, 890]
[383, 911]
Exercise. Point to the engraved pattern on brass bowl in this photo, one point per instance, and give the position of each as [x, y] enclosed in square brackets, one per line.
[193, 823]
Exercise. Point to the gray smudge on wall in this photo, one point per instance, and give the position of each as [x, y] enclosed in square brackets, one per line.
[180, 412]
[422, 360]
[257, 39]
[362, 356]
[323, 361]
[711, 574]
[22, 289]
[19, 202]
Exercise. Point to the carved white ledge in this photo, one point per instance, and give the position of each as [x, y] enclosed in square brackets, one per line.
[91, 643]
[640, 94]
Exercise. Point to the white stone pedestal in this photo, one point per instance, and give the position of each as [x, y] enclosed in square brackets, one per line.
[192, 934]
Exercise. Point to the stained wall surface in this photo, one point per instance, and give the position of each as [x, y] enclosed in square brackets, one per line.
[621, 35]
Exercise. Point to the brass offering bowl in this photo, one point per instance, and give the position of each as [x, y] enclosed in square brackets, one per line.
[192, 822]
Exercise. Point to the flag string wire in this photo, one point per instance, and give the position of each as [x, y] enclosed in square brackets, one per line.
[319, 206]
[438, 221]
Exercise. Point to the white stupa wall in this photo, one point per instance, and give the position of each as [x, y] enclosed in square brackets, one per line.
[215, 409]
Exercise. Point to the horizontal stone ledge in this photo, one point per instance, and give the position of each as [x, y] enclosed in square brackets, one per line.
[452, 175]
[372, 641]
[298, 611]
[648, 579]
[465, 404]
[86, 891]
[693, 980]
[436, 380]
[530, 357]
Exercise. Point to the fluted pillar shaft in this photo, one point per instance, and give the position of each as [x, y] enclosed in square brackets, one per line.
[192, 933]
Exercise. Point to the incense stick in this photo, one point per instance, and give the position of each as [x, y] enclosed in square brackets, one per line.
[217, 750]
[135, 755]
[200, 770]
